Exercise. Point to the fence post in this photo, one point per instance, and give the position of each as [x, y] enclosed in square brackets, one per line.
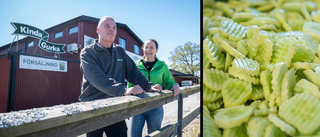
[180, 111]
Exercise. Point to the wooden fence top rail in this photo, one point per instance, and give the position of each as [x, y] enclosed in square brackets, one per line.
[43, 119]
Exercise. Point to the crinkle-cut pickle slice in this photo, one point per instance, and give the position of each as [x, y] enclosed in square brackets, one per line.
[312, 28]
[309, 42]
[256, 126]
[304, 65]
[287, 85]
[232, 30]
[265, 80]
[214, 78]
[233, 116]
[238, 131]
[265, 52]
[273, 131]
[253, 32]
[218, 38]
[209, 127]
[302, 111]
[283, 50]
[210, 95]
[283, 23]
[277, 11]
[215, 56]
[281, 124]
[242, 47]
[311, 76]
[268, 27]
[214, 105]
[246, 66]
[225, 26]
[253, 46]
[277, 75]
[305, 86]
[231, 50]
[235, 92]
[245, 77]
[296, 24]
[303, 54]
[243, 16]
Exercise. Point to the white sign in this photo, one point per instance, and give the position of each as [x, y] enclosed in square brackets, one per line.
[133, 56]
[36, 63]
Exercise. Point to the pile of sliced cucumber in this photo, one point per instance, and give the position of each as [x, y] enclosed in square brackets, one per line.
[261, 68]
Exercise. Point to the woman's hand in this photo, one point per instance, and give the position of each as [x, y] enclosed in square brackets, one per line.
[156, 88]
[176, 89]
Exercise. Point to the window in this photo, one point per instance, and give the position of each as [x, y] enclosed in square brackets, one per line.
[58, 34]
[30, 44]
[122, 43]
[136, 49]
[73, 30]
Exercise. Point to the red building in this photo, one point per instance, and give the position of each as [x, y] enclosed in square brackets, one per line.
[23, 87]
[32, 77]
[184, 79]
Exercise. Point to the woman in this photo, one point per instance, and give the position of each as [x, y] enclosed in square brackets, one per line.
[157, 72]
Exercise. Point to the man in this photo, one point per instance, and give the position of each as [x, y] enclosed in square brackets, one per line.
[105, 66]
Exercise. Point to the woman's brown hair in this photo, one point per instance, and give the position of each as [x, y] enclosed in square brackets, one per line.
[153, 40]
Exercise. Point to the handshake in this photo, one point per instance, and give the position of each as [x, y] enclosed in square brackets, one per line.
[136, 90]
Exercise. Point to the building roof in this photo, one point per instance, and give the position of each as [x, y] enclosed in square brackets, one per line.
[81, 18]
[182, 75]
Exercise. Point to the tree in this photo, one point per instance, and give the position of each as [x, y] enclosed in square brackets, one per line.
[186, 58]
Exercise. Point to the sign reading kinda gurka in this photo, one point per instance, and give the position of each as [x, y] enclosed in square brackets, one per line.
[23, 29]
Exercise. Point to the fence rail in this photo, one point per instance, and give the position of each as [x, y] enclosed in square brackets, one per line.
[82, 117]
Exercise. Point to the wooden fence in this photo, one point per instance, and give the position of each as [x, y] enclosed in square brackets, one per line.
[82, 117]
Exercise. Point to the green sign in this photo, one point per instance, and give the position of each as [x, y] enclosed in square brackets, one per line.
[23, 29]
[51, 47]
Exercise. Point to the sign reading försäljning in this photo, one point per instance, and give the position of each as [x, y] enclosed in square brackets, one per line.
[36, 63]
[23, 29]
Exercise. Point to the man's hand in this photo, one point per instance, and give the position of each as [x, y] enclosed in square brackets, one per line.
[156, 88]
[176, 89]
[136, 90]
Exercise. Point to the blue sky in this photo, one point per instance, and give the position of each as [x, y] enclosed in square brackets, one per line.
[170, 22]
